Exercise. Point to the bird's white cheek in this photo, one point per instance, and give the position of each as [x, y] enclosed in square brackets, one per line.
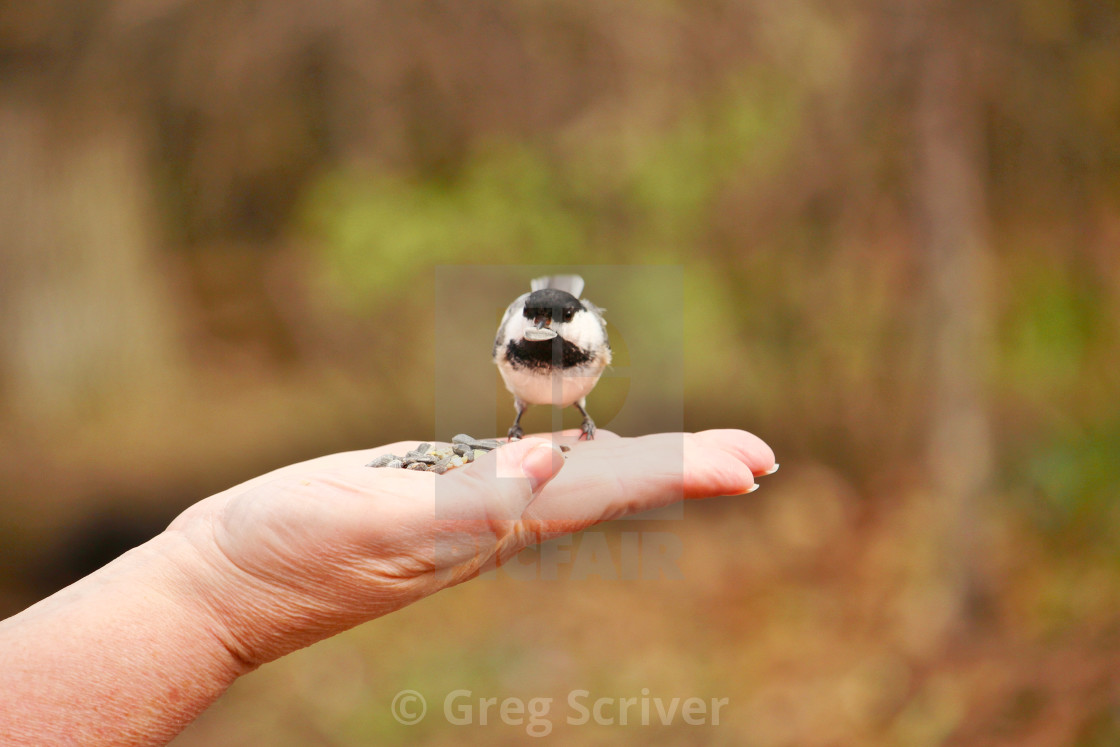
[583, 331]
[518, 326]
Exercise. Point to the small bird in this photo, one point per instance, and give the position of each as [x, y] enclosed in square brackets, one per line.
[551, 348]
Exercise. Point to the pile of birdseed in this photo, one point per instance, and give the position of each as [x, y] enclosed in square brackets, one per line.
[464, 449]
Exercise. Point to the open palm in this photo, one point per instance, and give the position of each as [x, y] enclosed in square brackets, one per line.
[315, 548]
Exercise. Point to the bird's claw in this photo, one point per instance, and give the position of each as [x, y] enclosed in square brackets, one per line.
[587, 429]
[515, 433]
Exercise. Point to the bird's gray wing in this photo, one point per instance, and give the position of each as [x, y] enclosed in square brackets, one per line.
[596, 312]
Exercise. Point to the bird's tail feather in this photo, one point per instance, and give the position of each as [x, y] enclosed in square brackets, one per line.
[569, 283]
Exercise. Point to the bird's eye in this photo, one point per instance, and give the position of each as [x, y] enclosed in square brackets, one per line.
[568, 315]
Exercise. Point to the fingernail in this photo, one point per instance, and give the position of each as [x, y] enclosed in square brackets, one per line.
[753, 488]
[541, 464]
[771, 471]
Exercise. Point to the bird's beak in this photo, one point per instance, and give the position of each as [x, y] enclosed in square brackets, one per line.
[540, 330]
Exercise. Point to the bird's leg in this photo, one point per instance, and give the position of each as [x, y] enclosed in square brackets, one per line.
[588, 426]
[515, 432]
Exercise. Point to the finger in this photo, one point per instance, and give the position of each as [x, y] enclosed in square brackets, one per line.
[605, 480]
[746, 447]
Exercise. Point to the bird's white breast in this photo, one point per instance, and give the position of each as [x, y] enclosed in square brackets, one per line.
[560, 389]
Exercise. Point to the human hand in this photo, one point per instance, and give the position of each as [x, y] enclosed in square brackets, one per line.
[315, 548]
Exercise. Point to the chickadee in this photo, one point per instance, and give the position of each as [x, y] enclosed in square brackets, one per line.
[551, 348]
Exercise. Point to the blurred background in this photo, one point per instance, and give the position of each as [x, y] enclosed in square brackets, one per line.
[897, 229]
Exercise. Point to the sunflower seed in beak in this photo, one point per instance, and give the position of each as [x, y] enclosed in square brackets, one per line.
[538, 334]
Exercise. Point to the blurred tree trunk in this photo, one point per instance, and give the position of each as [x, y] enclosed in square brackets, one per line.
[84, 322]
[951, 204]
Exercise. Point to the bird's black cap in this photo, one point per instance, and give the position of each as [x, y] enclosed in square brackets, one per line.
[548, 301]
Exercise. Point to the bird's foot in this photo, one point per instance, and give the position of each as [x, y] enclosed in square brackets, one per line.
[515, 432]
[588, 429]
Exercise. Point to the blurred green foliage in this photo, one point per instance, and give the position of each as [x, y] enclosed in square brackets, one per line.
[636, 193]
[380, 233]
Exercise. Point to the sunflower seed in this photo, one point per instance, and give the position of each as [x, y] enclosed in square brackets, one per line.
[462, 450]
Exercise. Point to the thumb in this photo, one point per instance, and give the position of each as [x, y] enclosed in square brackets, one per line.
[479, 510]
[521, 470]
[500, 485]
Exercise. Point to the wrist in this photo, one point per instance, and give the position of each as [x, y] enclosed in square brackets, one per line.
[145, 655]
[251, 611]
[200, 591]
